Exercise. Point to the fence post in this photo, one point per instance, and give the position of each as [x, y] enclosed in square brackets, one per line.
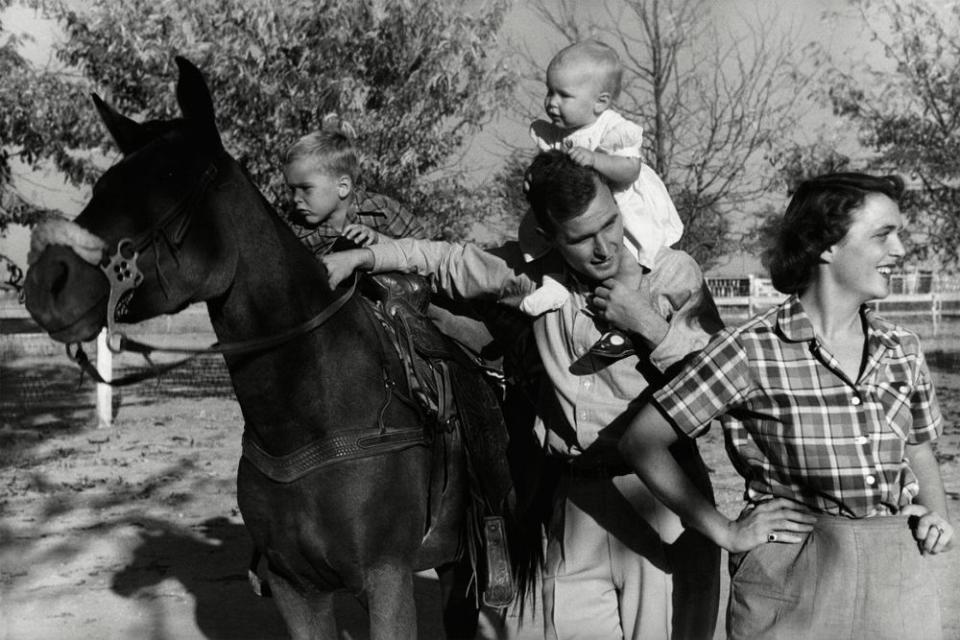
[752, 291]
[104, 391]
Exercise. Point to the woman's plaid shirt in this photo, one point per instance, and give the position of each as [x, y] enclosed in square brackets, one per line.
[796, 426]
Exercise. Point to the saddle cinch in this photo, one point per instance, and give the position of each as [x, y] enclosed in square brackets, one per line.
[459, 398]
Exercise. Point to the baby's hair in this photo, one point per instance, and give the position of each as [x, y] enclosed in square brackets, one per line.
[602, 56]
[331, 149]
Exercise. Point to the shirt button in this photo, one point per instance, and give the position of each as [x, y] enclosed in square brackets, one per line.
[586, 384]
[855, 401]
[861, 440]
[903, 388]
[871, 480]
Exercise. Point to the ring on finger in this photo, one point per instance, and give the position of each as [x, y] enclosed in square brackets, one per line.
[771, 537]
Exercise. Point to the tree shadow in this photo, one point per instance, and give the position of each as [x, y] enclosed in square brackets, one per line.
[210, 560]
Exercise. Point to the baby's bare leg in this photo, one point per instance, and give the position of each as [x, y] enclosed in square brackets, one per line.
[629, 272]
[614, 343]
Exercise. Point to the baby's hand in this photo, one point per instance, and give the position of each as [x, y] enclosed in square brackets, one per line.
[582, 156]
[361, 234]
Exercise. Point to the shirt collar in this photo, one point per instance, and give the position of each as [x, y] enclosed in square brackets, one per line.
[795, 325]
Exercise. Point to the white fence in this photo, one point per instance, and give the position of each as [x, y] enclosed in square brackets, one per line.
[919, 294]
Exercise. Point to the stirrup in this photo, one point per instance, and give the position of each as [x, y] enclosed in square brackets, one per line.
[500, 588]
[614, 345]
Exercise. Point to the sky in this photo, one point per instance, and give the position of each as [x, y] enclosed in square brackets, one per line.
[806, 18]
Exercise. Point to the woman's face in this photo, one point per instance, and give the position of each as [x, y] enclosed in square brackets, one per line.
[860, 264]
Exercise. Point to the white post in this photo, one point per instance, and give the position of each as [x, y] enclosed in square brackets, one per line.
[104, 391]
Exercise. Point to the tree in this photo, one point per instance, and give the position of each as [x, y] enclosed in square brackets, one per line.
[906, 107]
[27, 125]
[794, 165]
[415, 79]
[711, 106]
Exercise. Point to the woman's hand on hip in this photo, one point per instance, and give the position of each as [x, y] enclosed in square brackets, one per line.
[772, 521]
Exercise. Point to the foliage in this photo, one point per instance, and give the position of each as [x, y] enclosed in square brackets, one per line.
[26, 124]
[794, 165]
[711, 105]
[414, 78]
[906, 106]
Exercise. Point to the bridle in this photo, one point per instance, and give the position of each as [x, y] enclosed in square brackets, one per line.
[124, 276]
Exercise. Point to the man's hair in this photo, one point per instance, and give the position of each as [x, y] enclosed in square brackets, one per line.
[332, 152]
[604, 58]
[819, 215]
[558, 189]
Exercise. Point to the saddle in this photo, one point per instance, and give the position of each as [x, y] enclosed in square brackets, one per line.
[454, 390]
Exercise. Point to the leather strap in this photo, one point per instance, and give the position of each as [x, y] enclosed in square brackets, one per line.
[336, 447]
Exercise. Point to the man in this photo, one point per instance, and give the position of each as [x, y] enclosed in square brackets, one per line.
[619, 564]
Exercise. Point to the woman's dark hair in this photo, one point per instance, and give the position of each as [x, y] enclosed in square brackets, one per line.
[819, 215]
[558, 189]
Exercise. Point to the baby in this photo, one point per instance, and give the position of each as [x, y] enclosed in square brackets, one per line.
[583, 80]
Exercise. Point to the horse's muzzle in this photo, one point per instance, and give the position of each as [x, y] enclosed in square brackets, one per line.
[66, 295]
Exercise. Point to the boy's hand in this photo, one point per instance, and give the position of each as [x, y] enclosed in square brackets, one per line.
[582, 156]
[361, 234]
[341, 264]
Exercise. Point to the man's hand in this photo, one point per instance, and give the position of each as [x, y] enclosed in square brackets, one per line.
[361, 234]
[776, 520]
[932, 531]
[630, 309]
[341, 264]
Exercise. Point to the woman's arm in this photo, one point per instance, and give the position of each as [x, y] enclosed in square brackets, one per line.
[646, 448]
[933, 531]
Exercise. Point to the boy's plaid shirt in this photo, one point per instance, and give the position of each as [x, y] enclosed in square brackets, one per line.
[796, 426]
[381, 213]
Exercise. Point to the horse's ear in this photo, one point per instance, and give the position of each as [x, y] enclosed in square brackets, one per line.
[194, 97]
[128, 135]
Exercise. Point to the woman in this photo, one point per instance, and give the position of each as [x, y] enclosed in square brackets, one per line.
[828, 413]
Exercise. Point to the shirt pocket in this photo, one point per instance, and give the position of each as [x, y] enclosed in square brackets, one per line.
[894, 397]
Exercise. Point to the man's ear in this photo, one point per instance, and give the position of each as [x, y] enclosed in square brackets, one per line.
[827, 256]
[545, 235]
[344, 186]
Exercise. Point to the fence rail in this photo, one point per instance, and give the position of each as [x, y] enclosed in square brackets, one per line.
[911, 294]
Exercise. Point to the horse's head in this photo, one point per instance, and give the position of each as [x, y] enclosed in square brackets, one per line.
[154, 203]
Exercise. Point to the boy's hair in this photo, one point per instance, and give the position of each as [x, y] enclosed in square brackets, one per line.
[332, 152]
[819, 215]
[558, 189]
[602, 56]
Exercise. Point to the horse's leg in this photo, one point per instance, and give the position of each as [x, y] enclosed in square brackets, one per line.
[393, 611]
[307, 616]
[460, 610]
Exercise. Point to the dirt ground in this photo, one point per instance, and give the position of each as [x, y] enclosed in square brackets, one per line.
[132, 531]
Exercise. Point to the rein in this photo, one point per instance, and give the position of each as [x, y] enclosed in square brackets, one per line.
[231, 348]
[124, 276]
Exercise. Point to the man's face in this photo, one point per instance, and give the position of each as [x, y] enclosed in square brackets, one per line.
[592, 243]
[316, 194]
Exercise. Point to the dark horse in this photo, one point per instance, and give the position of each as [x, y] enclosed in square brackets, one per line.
[363, 522]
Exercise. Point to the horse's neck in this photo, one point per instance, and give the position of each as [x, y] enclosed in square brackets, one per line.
[279, 285]
[277, 282]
